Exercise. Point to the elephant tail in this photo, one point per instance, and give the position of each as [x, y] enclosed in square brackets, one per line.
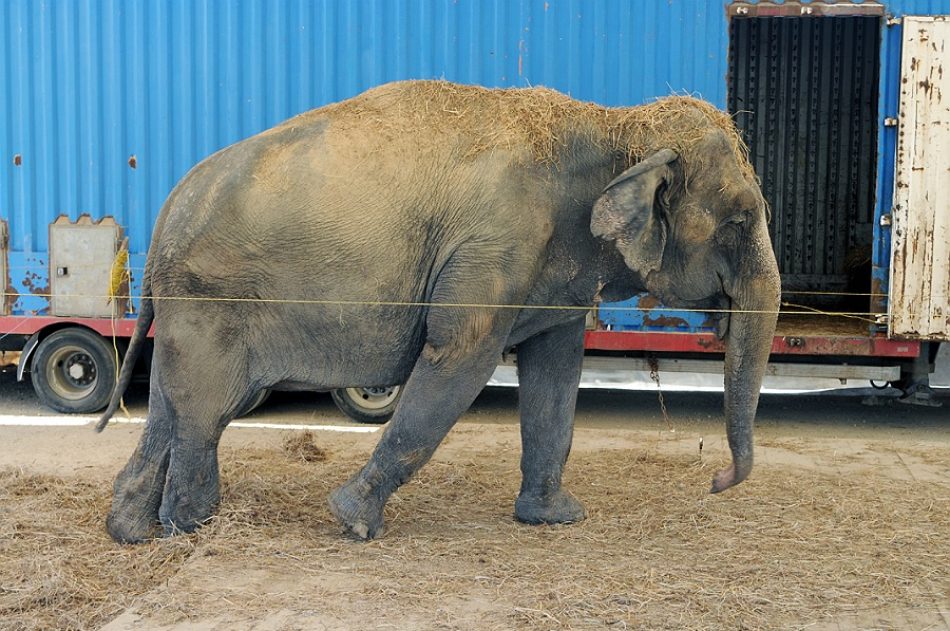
[142, 325]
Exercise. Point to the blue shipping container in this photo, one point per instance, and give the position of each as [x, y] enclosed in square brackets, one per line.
[106, 104]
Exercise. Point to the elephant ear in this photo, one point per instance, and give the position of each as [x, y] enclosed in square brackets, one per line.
[628, 212]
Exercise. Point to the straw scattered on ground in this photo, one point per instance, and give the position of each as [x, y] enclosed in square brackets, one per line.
[790, 547]
[303, 446]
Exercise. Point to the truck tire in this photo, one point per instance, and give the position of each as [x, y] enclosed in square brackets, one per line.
[368, 405]
[74, 370]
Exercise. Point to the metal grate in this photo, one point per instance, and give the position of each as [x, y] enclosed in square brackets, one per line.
[804, 93]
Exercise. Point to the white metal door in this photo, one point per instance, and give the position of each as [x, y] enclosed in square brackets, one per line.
[81, 256]
[920, 254]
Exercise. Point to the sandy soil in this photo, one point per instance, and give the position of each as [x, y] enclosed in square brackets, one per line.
[844, 524]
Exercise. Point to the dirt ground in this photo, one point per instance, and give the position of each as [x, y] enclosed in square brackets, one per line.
[844, 524]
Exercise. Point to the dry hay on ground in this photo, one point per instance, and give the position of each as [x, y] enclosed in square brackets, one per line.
[303, 446]
[787, 548]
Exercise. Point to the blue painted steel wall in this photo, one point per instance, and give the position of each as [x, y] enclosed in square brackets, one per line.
[86, 85]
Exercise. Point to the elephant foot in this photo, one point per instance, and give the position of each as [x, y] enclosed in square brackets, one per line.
[126, 525]
[172, 526]
[137, 494]
[559, 507]
[358, 512]
[183, 515]
[192, 491]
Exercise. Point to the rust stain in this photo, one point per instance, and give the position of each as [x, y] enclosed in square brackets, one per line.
[649, 302]
[17, 160]
[879, 299]
[665, 322]
[10, 299]
[122, 294]
[133, 162]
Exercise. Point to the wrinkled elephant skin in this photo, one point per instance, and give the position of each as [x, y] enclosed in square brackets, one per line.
[408, 236]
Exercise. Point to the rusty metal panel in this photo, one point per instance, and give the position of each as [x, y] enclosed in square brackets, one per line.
[809, 8]
[648, 341]
[920, 256]
[81, 256]
[804, 93]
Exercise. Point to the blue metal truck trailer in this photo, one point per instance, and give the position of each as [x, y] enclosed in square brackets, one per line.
[107, 103]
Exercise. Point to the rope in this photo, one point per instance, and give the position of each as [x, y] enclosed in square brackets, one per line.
[788, 292]
[460, 305]
[863, 316]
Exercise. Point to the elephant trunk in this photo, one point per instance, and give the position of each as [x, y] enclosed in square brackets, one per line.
[756, 296]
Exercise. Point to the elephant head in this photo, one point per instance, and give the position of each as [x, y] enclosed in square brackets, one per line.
[695, 230]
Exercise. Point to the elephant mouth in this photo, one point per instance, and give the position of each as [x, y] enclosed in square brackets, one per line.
[721, 316]
[717, 303]
[670, 294]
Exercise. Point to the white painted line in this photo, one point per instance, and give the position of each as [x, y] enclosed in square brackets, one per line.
[78, 421]
[47, 421]
[352, 429]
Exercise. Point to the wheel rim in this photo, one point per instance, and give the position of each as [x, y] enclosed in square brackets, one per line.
[72, 373]
[375, 398]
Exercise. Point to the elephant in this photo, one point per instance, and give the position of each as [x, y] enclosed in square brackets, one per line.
[412, 235]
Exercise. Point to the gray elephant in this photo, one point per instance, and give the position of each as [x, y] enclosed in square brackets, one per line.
[412, 235]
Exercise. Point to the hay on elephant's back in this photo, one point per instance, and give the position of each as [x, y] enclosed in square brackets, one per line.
[539, 118]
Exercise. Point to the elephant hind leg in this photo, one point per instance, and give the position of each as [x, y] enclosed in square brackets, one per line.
[137, 490]
[201, 413]
[198, 384]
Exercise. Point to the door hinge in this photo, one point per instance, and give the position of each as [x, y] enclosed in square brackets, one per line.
[892, 21]
[890, 121]
[887, 220]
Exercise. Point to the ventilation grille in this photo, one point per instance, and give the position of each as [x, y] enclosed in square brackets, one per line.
[804, 92]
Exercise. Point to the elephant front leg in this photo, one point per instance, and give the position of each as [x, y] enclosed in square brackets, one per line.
[549, 370]
[431, 403]
[462, 349]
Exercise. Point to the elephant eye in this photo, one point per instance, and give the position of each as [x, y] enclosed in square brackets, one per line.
[730, 229]
[735, 220]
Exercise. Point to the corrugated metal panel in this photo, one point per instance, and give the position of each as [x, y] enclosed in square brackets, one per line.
[88, 85]
[108, 103]
[92, 84]
[917, 7]
[895, 8]
[804, 90]
[920, 263]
